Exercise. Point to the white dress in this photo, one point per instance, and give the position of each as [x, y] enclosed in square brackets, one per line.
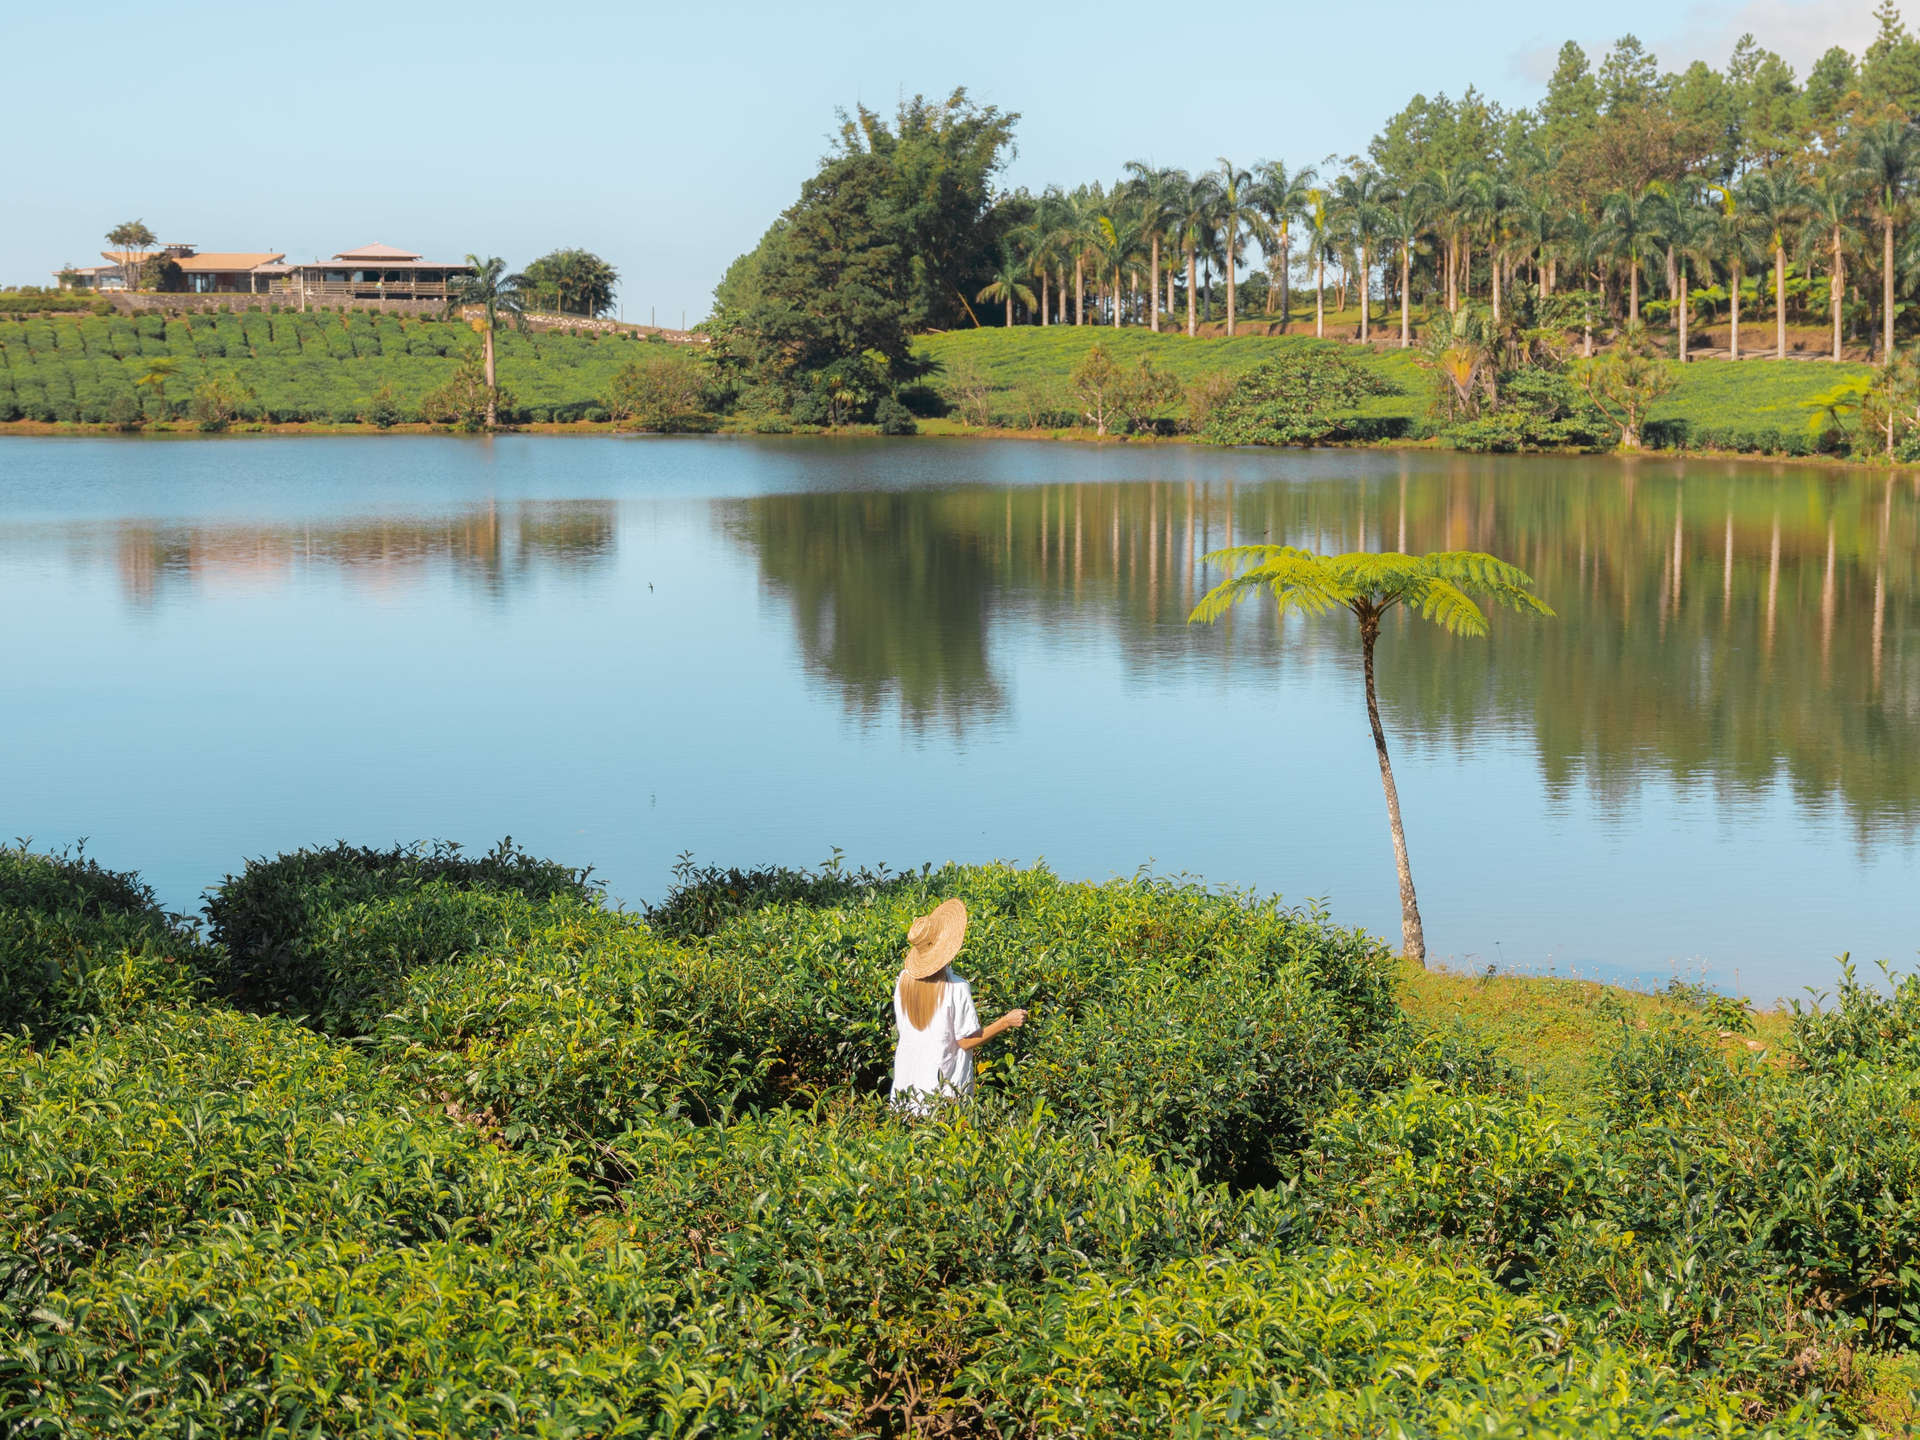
[929, 1063]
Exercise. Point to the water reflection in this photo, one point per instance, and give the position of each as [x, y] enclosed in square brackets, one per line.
[492, 546]
[1720, 625]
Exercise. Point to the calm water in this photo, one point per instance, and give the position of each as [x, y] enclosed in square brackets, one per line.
[621, 649]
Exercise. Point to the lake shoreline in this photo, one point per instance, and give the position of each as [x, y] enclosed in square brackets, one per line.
[930, 430]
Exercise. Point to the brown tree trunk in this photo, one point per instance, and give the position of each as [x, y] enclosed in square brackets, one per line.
[1837, 284]
[1320, 296]
[1231, 267]
[1412, 939]
[1153, 288]
[493, 393]
[1406, 269]
[1190, 287]
[1886, 292]
[1779, 302]
[1683, 312]
[1364, 297]
[1079, 290]
[1734, 292]
[1633, 292]
[1286, 277]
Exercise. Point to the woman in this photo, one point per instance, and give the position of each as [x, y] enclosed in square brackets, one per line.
[933, 1010]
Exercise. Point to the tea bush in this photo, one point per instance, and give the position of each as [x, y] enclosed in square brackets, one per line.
[328, 932]
[538, 1166]
[80, 943]
[1338, 1342]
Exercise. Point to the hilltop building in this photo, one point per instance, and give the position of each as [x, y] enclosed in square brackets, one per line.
[368, 272]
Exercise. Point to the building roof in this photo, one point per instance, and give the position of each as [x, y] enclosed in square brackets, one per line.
[377, 251]
[338, 264]
[222, 260]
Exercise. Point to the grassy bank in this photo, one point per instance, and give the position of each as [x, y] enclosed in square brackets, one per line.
[428, 1142]
[1024, 375]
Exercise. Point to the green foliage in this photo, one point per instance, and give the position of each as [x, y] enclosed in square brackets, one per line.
[462, 402]
[579, 1166]
[1440, 586]
[573, 282]
[662, 393]
[1300, 397]
[325, 932]
[81, 944]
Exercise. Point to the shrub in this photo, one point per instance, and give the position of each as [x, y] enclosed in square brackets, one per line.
[79, 943]
[893, 417]
[1434, 1163]
[1336, 1342]
[324, 932]
[1303, 396]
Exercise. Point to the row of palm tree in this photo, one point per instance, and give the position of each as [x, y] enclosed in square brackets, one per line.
[1458, 227]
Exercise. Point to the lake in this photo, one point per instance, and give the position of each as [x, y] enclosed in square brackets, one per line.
[620, 649]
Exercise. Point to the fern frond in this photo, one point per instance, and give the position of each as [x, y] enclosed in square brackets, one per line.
[1449, 607]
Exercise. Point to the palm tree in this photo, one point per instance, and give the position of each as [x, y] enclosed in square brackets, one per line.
[1449, 193]
[1082, 232]
[1690, 234]
[1403, 225]
[496, 293]
[1888, 159]
[1775, 198]
[1280, 198]
[1499, 208]
[1439, 587]
[1359, 196]
[1235, 191]
[1155, 195]
[1115, 243]
[1321, 238]
[1829, 227]
[1734, 237]
[1008, 283]
[1537, 233]
[1627, 233]
[1195, 227]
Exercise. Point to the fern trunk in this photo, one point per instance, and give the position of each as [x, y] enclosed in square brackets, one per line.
[493, 393]
[1413, 940]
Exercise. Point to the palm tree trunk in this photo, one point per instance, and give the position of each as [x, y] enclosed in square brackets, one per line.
[1837, 283]
[1153, 288]
[1683, 312]
[1413, 940]
[1779, 302]
[1079, 290]
[1364, 296]
[1009, 309]
[493, 392]
[1496, 291]
[1633, 292]
[1406, 268]
[1231, 267]
[1734, 291]
[1886, 291]
[1286, 277]
[1116, 297]
[1320, 296]
[1190, 288]
[1043, 295]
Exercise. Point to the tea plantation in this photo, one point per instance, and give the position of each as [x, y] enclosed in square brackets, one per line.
[427, 1143]
[318, 367]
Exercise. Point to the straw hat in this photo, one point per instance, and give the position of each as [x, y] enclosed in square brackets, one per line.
[934, 939]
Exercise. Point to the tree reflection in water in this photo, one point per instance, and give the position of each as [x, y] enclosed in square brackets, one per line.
[496, 546]
[1723, 625]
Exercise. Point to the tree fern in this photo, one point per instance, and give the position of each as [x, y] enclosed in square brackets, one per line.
[1441, 587]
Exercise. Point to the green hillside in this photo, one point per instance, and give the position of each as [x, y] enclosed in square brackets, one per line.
[1757, 405]
[316, 367]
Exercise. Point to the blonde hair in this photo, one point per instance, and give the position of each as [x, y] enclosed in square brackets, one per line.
[920, 998]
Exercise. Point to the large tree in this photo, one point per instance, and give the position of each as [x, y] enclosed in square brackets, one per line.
[573, 282]
[131, 239]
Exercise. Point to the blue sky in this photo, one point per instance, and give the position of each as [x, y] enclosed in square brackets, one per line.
[666, 137]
